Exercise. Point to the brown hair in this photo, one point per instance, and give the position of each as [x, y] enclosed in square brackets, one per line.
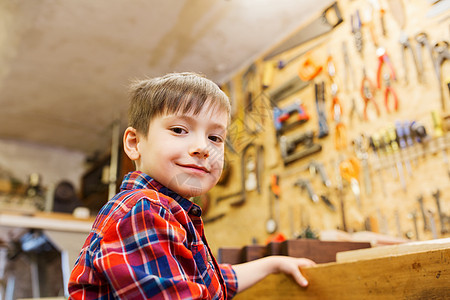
[172, 94]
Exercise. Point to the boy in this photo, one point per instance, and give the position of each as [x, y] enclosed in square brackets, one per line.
[148, 240]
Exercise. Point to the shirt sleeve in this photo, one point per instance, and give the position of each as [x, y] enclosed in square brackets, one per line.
[143, 256]
[230, 279]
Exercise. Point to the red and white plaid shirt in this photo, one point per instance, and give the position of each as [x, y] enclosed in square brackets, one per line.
[148, 243]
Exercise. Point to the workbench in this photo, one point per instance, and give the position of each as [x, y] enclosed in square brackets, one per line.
[65, 232]
[418, 270]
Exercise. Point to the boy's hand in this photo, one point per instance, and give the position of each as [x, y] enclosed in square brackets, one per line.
[253, 271]
[291, 266]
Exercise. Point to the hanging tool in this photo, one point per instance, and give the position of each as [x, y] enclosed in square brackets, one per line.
[327, 202]
[443, 54]
[398, 11]
[432, 224]
[244, 176]
[316, 167]
[440, 139]
[340, 188]
[406, 46]
[349, 170]
[367, 93]
[356, 25]
[320, 107]
[398, 224]
[426, 224]
[420, 135]
[376, 6]
[391, 136]
[389, 91]
[383, 58]
[274, 194]
[289, 145]
[340, 132]
[374, 143]
[305, 184]
[422, 41]
[442, 216]
[294, 111]
[348, 68]
[309, 68]
[438, 8]
[413, 216]
[290, 87]
[283, 63]
[328, 20]
[385, 145]
[363, 156]
[409, 140]
[252, 125]
[369, 23]
[401, 138]
[268, 73]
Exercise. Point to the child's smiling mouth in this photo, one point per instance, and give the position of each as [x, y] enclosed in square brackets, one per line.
[195, 168]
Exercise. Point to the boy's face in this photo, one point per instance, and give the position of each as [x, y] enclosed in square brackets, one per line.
[185, 152]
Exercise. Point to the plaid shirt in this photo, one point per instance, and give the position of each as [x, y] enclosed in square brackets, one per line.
[149, 242]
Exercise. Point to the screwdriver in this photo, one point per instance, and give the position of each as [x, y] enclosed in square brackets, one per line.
[439, 134]
[409, 139]
[374, 143]
[420, 134]
[385, 144]
[401, 139]
[391, 136]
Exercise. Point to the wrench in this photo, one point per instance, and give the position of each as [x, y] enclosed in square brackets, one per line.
[422, 40]
[426, 224]
[441, 49]
[442, 216]
[406, 45]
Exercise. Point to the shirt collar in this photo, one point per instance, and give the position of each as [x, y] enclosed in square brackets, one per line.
[138, 180]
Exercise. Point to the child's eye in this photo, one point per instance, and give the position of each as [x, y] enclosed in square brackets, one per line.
[178, 130]
[216, 138]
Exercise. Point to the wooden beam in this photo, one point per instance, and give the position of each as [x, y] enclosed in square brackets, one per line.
[421, 275]
[377, 252]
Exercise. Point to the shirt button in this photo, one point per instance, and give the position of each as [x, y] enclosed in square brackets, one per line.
[195, 211]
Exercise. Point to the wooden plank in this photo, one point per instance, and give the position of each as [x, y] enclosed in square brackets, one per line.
[421, 275]
[318, 251]
[376, 252]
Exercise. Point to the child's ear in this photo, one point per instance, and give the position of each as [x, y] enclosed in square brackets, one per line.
[130, 143]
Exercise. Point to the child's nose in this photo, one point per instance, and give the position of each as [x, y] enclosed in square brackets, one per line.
[199, 148]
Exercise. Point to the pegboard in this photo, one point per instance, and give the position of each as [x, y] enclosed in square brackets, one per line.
[241, 205]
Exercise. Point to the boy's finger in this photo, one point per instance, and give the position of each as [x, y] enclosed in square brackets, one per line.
[301, 280]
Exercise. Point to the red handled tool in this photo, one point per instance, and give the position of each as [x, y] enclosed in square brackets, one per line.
[367, 93]
[383, 58]
[389, 91]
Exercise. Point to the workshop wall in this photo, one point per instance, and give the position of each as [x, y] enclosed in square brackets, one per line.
[237, 215]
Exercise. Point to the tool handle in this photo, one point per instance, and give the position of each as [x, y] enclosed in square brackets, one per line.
[437, 124]
[407, 130]
[400, 134]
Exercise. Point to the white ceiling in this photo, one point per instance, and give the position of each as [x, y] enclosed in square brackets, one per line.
[65, 64]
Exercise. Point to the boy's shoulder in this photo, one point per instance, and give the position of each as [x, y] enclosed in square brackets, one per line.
[122, 203]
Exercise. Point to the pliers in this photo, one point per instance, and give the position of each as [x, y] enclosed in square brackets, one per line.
[387, 91]
[383, 57]
[367, 92]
